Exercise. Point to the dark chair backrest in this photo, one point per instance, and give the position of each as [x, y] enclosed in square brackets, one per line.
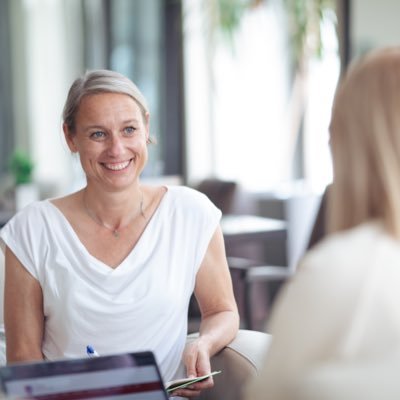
[220, 192]
[319, 228]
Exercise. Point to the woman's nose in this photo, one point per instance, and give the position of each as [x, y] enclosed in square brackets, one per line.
[116, 145]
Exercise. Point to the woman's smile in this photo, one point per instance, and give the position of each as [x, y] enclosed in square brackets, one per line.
[117, 166]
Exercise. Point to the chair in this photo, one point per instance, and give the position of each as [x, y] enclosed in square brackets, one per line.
[222, 193]
[239, 362]
[319, 228]
[252, 272]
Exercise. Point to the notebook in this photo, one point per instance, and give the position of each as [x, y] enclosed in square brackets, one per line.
[122, 376]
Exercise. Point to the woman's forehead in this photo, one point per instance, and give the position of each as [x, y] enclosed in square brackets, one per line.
[108, 104]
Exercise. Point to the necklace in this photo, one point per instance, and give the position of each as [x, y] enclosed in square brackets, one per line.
[114, 231]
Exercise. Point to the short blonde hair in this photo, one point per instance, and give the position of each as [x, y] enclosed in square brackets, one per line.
[365, 143]
[95, 82]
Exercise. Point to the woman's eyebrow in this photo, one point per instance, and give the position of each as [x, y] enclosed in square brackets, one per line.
[128, 121]
[99, 126]
[87, 127]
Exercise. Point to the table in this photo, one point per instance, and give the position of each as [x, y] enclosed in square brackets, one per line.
[247, 229]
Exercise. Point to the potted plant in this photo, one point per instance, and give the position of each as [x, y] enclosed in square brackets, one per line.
[21, 168]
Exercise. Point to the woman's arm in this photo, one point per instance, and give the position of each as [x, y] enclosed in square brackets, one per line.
[214, 293]
[220, 318]
[23, 312]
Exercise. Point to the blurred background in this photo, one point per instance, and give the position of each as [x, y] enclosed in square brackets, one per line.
[239, 91]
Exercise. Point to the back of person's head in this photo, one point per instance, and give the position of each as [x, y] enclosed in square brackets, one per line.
[365, 143]
[97, 82]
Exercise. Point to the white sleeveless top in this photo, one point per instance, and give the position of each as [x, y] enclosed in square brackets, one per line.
[140, 305]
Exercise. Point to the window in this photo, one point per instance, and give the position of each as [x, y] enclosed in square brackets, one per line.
[54, 41]
[6, 123]
[142, 40]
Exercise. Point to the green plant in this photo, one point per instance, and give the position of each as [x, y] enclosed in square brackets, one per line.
[21, 166]
[305, 18]
[304, 22]
[229, 14]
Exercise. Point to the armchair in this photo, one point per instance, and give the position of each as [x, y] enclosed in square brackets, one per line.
[239, 361]
[251, 271]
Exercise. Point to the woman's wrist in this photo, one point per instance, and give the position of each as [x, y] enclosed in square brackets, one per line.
[205, 343]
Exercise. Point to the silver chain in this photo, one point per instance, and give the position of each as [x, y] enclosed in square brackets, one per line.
[114, 231]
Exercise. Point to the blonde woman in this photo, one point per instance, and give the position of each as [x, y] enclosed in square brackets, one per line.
[336, 325]
[114, 265]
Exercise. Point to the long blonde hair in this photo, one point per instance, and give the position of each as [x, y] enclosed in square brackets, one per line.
[365, 143]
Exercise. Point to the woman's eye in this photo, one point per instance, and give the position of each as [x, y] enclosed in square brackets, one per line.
[129, 131]
[98, 135]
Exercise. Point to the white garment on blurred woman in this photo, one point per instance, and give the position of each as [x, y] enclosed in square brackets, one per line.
[336, 325]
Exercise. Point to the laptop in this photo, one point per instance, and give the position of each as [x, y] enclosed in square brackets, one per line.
[121, 376]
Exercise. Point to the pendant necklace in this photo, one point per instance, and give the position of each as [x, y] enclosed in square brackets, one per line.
[114, 231]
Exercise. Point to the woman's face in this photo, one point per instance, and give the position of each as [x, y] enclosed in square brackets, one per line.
[111, 139]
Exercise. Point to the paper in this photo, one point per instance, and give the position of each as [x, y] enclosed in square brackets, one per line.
[182, 383]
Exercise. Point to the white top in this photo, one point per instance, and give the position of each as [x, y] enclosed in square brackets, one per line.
[337, 323]
[140, 305]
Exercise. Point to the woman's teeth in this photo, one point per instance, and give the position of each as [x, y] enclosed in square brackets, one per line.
[117, 166]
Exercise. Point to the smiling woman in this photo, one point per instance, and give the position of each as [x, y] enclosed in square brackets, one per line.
[126, 255]
[111, 135]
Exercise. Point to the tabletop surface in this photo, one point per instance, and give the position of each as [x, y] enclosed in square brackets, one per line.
[242, 224]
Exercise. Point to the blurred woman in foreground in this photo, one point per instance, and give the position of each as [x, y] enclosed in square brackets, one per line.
[336, 325]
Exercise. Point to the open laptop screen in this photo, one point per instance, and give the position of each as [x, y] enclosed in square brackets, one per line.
[122, 376]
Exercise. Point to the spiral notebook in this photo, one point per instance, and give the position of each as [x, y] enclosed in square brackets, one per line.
[122, 376]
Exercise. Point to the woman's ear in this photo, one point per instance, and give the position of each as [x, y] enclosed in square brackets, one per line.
[147, 127]
[69, 138]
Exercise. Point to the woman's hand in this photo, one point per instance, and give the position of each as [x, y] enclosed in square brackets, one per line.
[196, 358]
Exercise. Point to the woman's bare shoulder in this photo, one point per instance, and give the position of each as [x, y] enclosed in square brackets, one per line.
[154, 192]
[68, 202]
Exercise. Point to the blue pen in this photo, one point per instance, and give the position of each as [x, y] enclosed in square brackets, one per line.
[91, 352]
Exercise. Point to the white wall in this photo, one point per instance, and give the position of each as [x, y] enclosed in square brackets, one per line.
[373, 24]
